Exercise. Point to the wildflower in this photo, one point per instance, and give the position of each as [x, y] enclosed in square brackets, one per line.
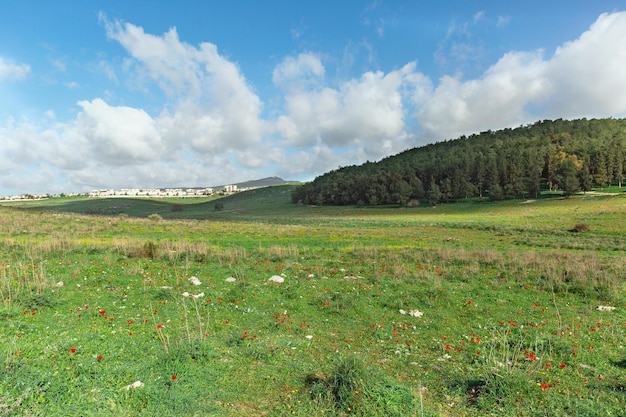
[73, 350]
[469, 302]
[548, 364]
[562, 366]
[99, 357]
[130, 322]
[102, 312]
[173, 377]
[448, 347]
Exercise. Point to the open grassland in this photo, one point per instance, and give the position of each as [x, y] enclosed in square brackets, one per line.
[466, 309]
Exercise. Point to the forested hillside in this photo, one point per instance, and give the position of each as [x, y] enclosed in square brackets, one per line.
[570, 156]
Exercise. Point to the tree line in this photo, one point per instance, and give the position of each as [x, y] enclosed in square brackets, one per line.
[560, 155]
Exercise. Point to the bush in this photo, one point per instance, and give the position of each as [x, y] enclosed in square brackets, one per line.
[155, 217]
[219, 206]
[580, 228]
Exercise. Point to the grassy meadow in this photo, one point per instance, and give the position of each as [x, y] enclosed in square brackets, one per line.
[468, 309]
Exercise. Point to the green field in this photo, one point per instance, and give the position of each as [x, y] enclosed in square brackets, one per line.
[466, 309]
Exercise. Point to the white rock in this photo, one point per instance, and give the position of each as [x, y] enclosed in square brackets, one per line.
[60, 284]
[194, 281]
[231, 279]
[134, 385]
[402, 311]
[415, 313]
[276, 278]
[198, 295]
[185, 294]
[605, 308]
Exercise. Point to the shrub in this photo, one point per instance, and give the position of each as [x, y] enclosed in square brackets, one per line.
[155, 217]
[219, 206]
[580, 228]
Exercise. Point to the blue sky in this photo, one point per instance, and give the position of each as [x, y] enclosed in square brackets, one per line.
[122, 94]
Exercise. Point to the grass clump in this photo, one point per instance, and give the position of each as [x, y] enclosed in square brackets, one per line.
[580, 228]
[352, 389]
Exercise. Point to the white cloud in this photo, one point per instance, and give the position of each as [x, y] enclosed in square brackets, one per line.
[119, 135]
[214, 108]
[581, 79]
[306, 70]
[503, 21]
[359, 112]
[588, 75]
[478, 16]
[13, 72]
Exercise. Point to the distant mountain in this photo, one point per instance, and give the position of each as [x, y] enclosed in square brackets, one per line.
[263, 182]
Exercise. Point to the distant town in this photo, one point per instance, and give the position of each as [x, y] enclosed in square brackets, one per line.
[158, 192]
[136, 192]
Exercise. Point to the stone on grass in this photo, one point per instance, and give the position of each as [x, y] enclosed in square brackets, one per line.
[605, 308]
[413, 313]
[231, 279]
[276, 278]
[194, 281]
[134, 385]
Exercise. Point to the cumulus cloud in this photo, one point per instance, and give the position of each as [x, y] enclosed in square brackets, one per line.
[581, 79]
[118, 134]
[214, 109]
[587, 75]
[361, 112]
[305, 70]
[13, 72]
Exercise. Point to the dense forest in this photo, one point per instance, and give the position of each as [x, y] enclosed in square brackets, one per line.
[559, 155]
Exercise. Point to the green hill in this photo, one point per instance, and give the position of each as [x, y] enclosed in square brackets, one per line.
[271, 200]
[564, 156]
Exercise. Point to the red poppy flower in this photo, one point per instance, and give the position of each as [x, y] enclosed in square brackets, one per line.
[73, 350]
[173, 377]
[99, 357]
[562, 366]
